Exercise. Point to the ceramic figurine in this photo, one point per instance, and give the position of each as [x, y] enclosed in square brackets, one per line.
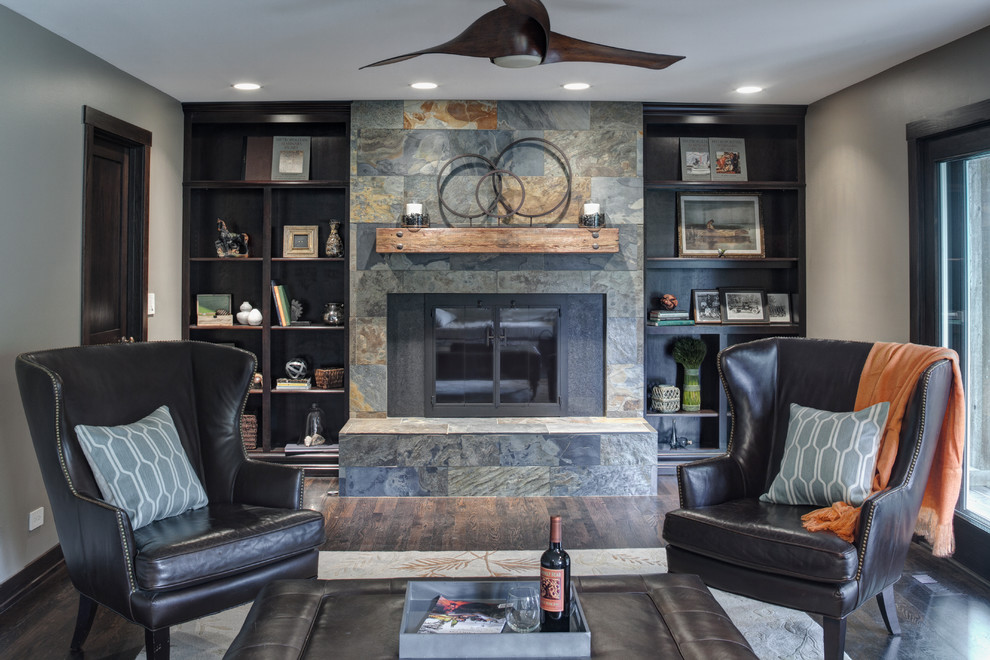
[242, 316]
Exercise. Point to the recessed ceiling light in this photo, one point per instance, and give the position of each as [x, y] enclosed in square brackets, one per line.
[576, 86]
[749, 89]
[424, 85]
[247, 86]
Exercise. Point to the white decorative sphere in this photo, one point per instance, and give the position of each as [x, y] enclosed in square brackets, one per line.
[254, 317]
[246, 306]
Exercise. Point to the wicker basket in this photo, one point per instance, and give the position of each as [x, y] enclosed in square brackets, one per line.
[249, 431]
[329, 379]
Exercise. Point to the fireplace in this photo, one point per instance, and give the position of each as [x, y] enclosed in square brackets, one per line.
[491, 355]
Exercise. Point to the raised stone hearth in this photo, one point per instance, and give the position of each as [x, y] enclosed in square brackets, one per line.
[504, 457]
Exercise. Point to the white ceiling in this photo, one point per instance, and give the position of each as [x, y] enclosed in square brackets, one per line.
[798, 50]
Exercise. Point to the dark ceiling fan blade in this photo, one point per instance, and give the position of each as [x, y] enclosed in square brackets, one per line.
[535, 10]
[502, 31]
[568, 49]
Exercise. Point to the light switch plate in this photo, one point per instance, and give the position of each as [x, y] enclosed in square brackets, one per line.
[151, 304]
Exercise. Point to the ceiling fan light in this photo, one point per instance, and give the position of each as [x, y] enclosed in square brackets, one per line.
[423, 85]
[246, 86]
[749, 89]
[576, 86]
[517, 61]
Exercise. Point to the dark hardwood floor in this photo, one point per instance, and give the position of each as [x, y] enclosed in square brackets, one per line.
[944, 615]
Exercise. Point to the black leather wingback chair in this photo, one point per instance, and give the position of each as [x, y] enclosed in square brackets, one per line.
[181, 568]
[737, 543]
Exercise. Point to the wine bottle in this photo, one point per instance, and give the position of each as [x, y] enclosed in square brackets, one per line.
[555, 584]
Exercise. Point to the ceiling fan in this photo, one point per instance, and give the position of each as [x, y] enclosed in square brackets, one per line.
[518, 35]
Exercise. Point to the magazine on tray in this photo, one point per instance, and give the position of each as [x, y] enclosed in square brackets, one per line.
[463, 616]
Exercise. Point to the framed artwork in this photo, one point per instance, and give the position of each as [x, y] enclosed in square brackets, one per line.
[740, 305]
[695, 160]
[719, 225]
[779, 307]
[213, 309]
[706, 305]
[299, 241]
[728, 157]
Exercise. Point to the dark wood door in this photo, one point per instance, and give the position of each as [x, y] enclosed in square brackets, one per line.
[105, 253]
[115, 228]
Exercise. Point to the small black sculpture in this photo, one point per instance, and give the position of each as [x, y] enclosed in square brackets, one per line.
[230, 244]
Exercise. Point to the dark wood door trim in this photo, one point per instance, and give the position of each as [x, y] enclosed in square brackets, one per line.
[137, 141]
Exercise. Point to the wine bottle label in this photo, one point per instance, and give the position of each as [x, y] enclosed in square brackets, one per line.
[552, 589]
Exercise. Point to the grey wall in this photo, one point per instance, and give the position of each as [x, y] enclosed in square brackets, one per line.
[47, 81]
[858, 260]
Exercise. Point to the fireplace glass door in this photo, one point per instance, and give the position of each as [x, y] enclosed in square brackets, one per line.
[493, 358]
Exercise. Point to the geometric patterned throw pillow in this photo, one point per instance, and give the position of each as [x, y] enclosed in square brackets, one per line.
[142, 468]
[828, 456]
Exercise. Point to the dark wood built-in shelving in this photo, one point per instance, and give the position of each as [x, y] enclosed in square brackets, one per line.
[214, 187]
[774, 139]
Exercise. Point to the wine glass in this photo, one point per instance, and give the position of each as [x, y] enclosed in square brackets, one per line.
[522, 609]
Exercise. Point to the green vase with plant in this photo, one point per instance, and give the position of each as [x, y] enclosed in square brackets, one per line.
[690, 352]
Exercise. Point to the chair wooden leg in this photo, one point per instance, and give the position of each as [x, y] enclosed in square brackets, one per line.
[888, 610]
[84, 622]
[156, 644]
[835, 637]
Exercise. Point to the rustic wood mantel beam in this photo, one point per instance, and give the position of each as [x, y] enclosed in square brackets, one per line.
[480, 240]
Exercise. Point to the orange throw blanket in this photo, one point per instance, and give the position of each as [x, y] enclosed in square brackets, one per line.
[890, 374]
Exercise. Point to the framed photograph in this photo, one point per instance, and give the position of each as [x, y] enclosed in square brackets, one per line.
[719, 225]
[695, 160]
[779, 307]
[728, 156]
[741, 305]
[706, 306]
[213, 309]
[299, 241]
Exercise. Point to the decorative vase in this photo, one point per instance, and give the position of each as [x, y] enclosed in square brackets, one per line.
[665, 398]
[691, 393]
[335, 244]
[333, 314]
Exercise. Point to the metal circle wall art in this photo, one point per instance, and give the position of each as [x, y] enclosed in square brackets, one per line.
[500, 206]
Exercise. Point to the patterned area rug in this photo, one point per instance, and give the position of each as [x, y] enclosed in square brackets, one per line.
[773, 632]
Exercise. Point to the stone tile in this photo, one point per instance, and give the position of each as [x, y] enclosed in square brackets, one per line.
[389, 482]
[621, 197]
[386, 152]
[521, 115]
[526, 449]
[579, 449]
[478, 450]
[602, 480]
[498, 481]
[368, 340]
[376, 114]
[598, 153]
[600, 425]
[624, 340]
[376, 199]
[629, 449]
[445, 282]
[616, 114]
[544, 282]
[369, 289]
[453, 115]
[427, 450]
[624, 389]
[496, 262]
[623, 290]
[368, 388]
[367, 450]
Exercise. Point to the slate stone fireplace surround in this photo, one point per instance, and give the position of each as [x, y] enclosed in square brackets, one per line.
[397, 149]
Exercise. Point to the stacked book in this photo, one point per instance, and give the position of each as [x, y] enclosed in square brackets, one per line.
[669, 317]
[281, 304]
[293, 384]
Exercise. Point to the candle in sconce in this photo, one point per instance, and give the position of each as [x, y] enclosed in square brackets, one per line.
[414, 209]
[591, 208]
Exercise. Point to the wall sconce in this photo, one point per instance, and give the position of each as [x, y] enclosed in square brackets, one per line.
[593, 217]
[415, 216]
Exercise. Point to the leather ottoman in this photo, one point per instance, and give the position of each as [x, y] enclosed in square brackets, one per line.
[630, 616]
